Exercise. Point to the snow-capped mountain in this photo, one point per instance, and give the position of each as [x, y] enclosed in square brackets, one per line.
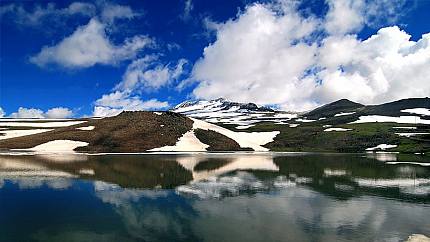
[244, 115]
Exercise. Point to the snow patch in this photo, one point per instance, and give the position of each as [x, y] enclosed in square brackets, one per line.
[421, 111]
[188, 142]
[245, 126]
[404, 127]
[343, 114]
[305, 120]
[86, 128]
[388, 119]
[62, 146]
[336, 129]
[8, 134]
[408, 163]
[32, 119]
[253, 140]
[410, 134]
[40, 124]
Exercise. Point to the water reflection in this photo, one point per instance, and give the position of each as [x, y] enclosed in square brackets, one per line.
[213, 197]
[219, 175]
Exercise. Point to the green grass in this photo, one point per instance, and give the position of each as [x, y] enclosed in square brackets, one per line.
[311, 137]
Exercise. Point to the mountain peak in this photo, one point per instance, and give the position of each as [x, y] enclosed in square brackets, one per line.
[342, 105]
[220, 110]
[218, 105]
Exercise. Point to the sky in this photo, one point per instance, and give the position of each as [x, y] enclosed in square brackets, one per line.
[65, 59]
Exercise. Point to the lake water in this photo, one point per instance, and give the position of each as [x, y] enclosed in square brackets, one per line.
[213, 197]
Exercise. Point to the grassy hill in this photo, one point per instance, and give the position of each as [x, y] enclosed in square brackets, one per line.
[127, 132]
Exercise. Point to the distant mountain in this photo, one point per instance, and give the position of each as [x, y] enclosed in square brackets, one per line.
[242, 115]
[345, 110]
[395, 108]
[331, 109]
[219, 104]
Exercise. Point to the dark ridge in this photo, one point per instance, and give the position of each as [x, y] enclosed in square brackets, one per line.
[216, 141]
[394, 108]
[329, 110]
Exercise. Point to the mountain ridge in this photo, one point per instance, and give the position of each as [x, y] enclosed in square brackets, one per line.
[341, 126]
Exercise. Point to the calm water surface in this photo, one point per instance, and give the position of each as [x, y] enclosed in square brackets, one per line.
[213, 197]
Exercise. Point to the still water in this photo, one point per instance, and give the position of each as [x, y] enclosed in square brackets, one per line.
[213, 197]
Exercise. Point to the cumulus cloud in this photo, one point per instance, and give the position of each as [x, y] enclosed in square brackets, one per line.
[271, 54]
[2, 113]
[116, 102]
[259, 57]
[58, 112]
[385, 67]
[27, 113]
[346, 16]
[88, 46]
[148, 74]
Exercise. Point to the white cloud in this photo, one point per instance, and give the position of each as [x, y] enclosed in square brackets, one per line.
[148, 74]
[100, 111]
[2, 113]
[347, 16]
[154, 104]
[258, 57]
[58, 112]
[27, 113]
[344, 16]
[87, 46]
[116, 102]
[39, 13]
[385, 67]
[270, 54]
[111, 12]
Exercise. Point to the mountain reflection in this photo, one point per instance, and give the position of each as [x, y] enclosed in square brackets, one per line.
[220, 175]
[212, 197]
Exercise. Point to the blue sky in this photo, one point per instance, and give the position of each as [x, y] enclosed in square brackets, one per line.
[70, 58]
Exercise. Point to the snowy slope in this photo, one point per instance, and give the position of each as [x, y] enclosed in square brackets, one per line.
[223, 111]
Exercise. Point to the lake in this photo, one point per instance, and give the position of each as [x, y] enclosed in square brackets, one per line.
[214, 197]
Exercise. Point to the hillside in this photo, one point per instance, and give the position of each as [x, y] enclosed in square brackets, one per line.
[137, 131]
[341, 126]
[220, 125]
